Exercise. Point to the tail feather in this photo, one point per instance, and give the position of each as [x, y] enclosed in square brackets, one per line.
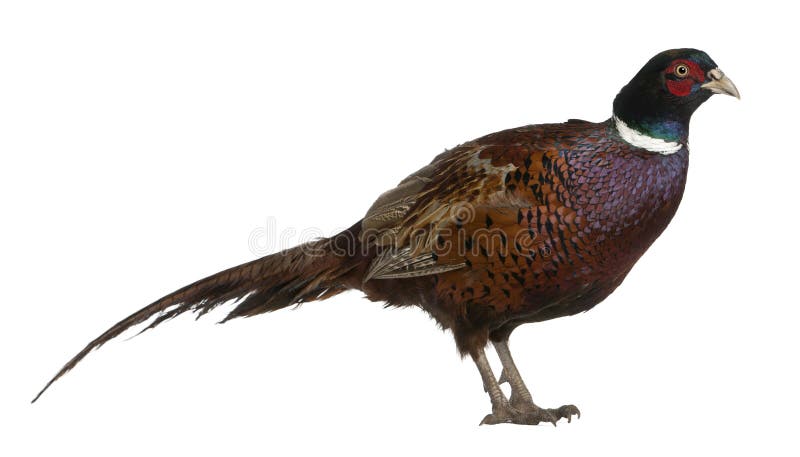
[313, 271]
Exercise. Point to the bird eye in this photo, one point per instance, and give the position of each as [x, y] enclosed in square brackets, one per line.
[681, 71]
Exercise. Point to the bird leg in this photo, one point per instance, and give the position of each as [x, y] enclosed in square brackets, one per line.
[521, 399]
[501, 409]
[520, 395]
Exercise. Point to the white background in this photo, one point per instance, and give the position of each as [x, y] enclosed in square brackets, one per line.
[143, 143]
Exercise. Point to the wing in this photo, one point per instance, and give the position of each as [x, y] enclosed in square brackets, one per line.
[493, 176]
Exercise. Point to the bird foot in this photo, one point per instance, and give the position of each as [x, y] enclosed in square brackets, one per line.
[529, 414]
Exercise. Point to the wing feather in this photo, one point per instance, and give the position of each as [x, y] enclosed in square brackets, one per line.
[406, 222]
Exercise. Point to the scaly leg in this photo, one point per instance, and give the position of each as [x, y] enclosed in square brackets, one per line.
[505, 412]
[521, 399]
[501, 410]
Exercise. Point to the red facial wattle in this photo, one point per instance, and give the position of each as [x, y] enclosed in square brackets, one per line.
[681, 87]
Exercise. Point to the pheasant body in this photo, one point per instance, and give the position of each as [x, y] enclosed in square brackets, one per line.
[562, 214]
[518, 226]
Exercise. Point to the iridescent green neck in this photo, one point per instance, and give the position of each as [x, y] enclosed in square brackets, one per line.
[667, 130]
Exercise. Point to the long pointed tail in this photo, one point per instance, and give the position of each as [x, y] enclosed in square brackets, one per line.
[312, 271]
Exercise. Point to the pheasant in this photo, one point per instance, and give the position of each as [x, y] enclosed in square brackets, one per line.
[519, 226]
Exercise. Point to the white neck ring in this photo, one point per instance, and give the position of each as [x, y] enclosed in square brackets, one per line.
[649, 143]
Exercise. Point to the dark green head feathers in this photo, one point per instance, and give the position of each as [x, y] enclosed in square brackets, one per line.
[659, 101]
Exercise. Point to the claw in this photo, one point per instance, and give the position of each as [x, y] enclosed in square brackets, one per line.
[567, 411]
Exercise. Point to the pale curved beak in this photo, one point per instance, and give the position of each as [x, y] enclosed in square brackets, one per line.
[720, 84]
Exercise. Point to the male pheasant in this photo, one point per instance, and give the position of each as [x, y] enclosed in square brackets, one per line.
[519, 226]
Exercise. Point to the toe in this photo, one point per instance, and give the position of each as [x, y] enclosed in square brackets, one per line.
[567, 411]
[488, 420]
